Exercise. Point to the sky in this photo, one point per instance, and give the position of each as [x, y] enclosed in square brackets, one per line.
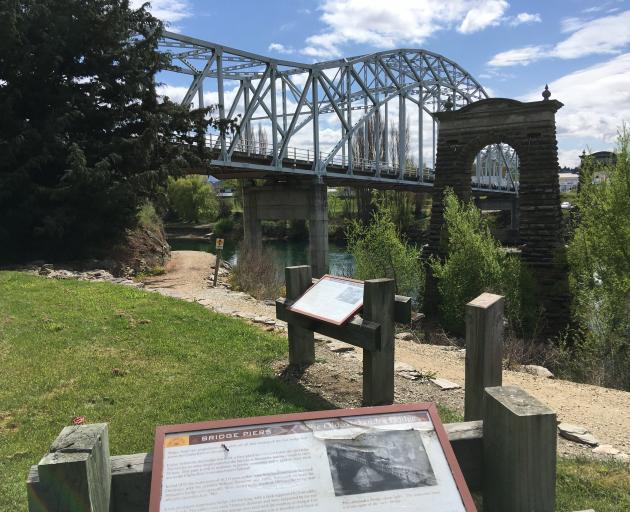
[581, 48]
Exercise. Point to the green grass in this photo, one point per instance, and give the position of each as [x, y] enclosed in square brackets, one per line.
[137, 360]
[174, 361]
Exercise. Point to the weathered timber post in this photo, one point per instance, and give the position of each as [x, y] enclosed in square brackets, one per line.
[76, 475]
[378, 365]
[519, 440]
[301, 341]
[484, 350]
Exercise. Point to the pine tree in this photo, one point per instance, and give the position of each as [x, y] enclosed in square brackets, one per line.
[84, 139]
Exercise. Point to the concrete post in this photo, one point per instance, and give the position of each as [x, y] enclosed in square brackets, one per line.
[318, 229]
[252, 229]
[519, 440]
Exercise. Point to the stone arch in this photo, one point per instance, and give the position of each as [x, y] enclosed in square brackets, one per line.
[530, 129]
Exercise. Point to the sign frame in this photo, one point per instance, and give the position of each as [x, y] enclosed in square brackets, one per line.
[430, 408]
[218, 243]
[309, 314]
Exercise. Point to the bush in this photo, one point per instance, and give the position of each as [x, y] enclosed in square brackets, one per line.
[223, 227]
[257, 273]
[380, 251]
[192, 199]
[476, 263]
[599, 259]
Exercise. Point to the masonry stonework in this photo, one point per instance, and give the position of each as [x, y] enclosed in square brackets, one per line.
[530, 129]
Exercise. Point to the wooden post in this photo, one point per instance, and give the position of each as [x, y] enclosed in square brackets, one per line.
[519, 439]
[217, 264]
[76, 475]
[301, 341]
[484, 351]
[378, 366]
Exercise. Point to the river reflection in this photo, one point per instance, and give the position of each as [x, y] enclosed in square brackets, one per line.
[286, 253]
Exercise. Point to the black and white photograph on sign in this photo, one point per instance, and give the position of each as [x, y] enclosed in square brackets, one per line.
[332, 299]
[379, 461]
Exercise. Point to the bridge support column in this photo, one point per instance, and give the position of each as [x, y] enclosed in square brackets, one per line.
[252, 227]
[318, 229]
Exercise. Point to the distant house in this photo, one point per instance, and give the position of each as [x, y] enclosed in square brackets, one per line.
[220, 189]
[600, 158]
[568, 181]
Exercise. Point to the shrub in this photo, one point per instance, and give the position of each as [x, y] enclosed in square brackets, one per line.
[379, 250]
[476, 263]
[257, 273]
[192, 199]
[599, 259]
[223, 226]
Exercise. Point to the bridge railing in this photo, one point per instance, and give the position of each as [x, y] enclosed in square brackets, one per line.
[294, 155]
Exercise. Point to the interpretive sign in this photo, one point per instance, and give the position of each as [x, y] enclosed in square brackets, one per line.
[332, 299]
[376, 459]
[219, 243]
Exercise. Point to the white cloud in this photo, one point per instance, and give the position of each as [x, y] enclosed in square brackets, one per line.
[603, 35]
[518, 56]
[484, 15]
[524, 17]
[280, 48]
[169, 11]
[596, 99]
[607, 35]
[396, 22]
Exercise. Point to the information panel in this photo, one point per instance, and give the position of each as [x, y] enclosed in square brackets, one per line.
[379, 459]
[332, 299]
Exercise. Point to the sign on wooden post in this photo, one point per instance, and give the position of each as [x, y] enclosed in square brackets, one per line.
[381, 459]
[217, 262]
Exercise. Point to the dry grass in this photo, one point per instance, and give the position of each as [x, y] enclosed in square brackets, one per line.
[257, 273]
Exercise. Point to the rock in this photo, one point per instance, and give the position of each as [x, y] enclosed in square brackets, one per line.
[337, 346]
[405, 336]
[45, 269]
[533, 369]
[406, 371]
[622, 457]
[269, 302]
[445, 385]
[606, 449]
[461, 353]
[577, 434]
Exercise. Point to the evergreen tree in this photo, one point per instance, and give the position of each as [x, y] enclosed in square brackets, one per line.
[84, 139]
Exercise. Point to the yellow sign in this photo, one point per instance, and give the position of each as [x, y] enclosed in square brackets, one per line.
[219, 243]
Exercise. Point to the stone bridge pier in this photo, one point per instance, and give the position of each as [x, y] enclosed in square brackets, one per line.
[530, 129]
[289, 200]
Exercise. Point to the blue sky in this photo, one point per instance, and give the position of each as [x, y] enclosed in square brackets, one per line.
[580, 47]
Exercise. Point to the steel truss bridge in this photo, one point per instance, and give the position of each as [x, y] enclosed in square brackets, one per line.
[343, 122]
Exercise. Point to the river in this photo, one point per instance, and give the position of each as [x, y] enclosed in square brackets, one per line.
[286, 252]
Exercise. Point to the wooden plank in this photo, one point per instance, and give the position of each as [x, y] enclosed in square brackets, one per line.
[301, 340]
[131, 482]
[378, 365]
[358, 332]
[467, 441]
[519, 452]
[79, 458]
[484, 350]
[402, 307]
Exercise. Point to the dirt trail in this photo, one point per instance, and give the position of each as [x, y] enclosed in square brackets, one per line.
[605, 412]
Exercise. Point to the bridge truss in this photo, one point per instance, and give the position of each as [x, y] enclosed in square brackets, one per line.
[344, 121]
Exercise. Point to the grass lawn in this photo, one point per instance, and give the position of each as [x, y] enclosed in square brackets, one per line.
[136, 360]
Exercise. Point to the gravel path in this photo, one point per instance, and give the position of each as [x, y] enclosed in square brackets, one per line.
[337, 376]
